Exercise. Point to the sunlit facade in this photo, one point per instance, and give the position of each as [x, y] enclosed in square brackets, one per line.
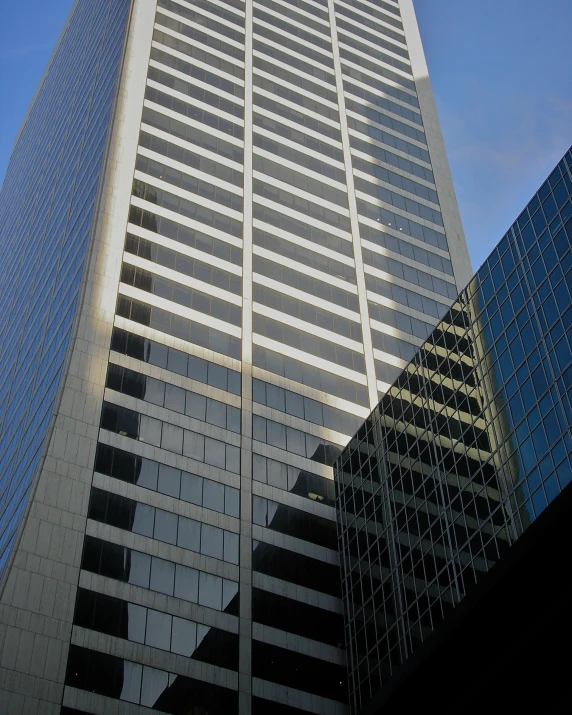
[272, 235]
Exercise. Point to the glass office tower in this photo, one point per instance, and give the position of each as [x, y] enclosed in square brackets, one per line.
[266, 233]
[462, 455]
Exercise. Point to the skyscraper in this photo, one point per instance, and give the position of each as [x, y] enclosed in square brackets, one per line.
[455, 495]
[225, 229]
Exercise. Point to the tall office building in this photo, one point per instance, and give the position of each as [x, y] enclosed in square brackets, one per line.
[455, 495]
[225, 229]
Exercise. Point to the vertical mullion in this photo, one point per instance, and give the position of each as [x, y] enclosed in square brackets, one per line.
[245, 625]
[354, 223]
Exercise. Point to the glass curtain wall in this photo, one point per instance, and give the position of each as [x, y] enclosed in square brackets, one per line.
[465, 450]
[47, 210]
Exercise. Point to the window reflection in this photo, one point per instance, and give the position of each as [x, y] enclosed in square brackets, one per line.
[149, 521]
[162, 434]
[475, 428]
[130, 566]
[301, 482]
[150, 627]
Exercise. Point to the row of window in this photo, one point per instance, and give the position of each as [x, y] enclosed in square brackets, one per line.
[306, 311]
[154, 353]
[382, 15]
[205, 38]
[401, 321]
[386, 373]
[202, 19]
[145, 520]
[187, 236]
[405, 297]
[306, 408]
[299, 157]
[379, 100]
[295, 78]
[161, 478]
[349, 41]
[294, 61]
[390, 177]
[189, 183]
[400, 223]
[181, 263]
[238, 4]
[129, 566]
[229, 16]
[179, 327]
[174, 398]
[294, 522]
[126, 681]
[308, 343]
[310, 7]
[410, 274]
[401, 202]
[377, 153]
[192, 91]
[305, 283]
[375, 66]
[346, 11]
[115, 617]
[360, 31]
[393, 346]
[324, 42]
[296, 568]
[181, 294]
[380, 86]
[397, 245]
[302, 181]
[192, 111]
[296, 16]
[293, 440]
[293, 616]
[309, 375]
[294, 135]
[380, 117]
[305, 230]
[302, 205]
[175, 439]
[296, 115]
[195, 161]
[187, 208]
[198, 73]
[193, 135]
[380, 135]
[286, 40]
[301, 254]
[198, 53]
[291, 479]
[300, 100]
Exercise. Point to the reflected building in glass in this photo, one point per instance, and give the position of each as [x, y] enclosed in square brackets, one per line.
[227, 227]
[453, 524]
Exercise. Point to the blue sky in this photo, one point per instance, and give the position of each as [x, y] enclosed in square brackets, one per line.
[501, 72]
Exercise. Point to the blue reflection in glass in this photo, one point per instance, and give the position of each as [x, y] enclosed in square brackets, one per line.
[47, 209]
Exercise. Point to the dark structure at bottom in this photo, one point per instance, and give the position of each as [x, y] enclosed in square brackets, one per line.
[453, 497]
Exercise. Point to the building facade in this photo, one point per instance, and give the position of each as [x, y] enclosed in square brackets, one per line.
[462, 455]
[262, 232]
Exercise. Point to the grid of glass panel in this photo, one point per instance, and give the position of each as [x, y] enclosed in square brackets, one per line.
[47, 207]
[466, 449]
